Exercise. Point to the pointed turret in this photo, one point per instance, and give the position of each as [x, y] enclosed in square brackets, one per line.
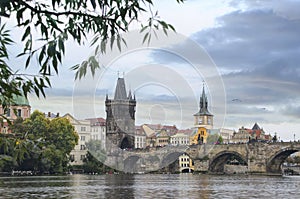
[120, 92]
[203, 104]
[129, 95]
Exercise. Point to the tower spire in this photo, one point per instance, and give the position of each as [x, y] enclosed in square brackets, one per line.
[120, 92]
[203, 103]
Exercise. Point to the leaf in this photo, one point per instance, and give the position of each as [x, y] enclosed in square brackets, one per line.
[112, 40]
[143, 29]
[103, 46]
[27, 32]
[145, 37]
[61, 45]
[54, 63]
[27, 61]
[93, 2]
[119, 42]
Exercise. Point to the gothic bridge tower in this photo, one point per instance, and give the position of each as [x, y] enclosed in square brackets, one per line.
[120, 117]
[203, 121]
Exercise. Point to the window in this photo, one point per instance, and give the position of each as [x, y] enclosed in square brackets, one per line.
[19, 112]
[200, 120]
[4, 129]
[82, 147]
[83, 128]
[8, 112]
[72, 157]
[82, 138]
[82, 157]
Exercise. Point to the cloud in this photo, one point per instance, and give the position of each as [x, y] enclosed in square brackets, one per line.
[257, 51]
[288, 9]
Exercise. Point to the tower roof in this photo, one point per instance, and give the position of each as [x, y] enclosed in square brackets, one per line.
[256, 127]
[120, 92]
[203, 104]
[18, 100]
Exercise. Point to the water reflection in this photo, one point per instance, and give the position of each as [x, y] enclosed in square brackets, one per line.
[119, 186]
[149, 186]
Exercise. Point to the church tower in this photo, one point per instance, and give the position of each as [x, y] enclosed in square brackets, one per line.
[120, 117]
[203, 121]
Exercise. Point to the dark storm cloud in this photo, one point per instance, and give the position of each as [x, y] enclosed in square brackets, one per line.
[251, 39]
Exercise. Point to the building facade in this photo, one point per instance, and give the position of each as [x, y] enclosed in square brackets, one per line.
[83, 129]
[98, 130]
[19, 107]
[226, 134]
[162, 138]
[256, 134]
[180, 139]
[186, 164]
[87, 130]
[139, 138]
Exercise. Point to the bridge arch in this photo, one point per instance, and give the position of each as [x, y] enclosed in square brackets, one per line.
[218, 162]
[274, 163]
[170, 158]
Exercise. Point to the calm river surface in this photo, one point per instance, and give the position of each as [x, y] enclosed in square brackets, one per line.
[149, 186]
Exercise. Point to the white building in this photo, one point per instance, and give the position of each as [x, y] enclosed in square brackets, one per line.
[180, 139]
[98, 130]
[139, 138]
[226, 134]
[89, 129]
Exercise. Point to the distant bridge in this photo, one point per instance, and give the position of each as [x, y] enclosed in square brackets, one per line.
[265, 158]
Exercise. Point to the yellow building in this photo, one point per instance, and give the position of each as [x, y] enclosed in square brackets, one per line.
[199, 136]
[162, 138]
[203, 122]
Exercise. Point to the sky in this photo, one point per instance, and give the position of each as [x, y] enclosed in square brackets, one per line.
[244, 52]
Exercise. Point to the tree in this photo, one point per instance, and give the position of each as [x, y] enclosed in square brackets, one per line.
[38, 144]
[62, 134]
[57, 21]
[91, 164]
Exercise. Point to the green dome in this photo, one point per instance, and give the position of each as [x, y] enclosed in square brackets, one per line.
[20, 101]
[17, 100]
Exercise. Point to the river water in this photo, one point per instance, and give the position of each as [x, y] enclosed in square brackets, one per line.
[149, 186]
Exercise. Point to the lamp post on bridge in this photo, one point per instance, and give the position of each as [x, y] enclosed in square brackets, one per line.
[294, 137]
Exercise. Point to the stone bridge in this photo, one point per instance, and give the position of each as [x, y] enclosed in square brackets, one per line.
[265, 158]
[258, 157]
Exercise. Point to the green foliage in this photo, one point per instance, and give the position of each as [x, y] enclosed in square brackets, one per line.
[93, 165]
[214, 139]
[58, 21]
[63, 134]
[13, 83]
[38, 144]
